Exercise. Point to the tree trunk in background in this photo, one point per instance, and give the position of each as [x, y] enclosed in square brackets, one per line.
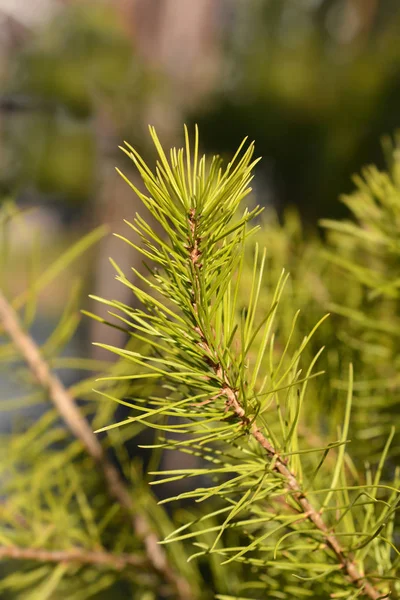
[357, 19]
[178, 41]
[177, 38]
[365, 11]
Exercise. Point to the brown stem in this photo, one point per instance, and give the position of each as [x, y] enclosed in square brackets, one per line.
[232, 403]
[77, 555]
[348, 565]
[74, 420]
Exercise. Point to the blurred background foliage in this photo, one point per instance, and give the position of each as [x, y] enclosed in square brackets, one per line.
[315, 82]
[54, 85]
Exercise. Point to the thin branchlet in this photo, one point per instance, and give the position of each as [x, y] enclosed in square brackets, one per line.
[75, 556]
[233, 404]
[77, 424]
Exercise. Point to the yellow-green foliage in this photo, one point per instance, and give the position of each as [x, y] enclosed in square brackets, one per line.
[233, 366]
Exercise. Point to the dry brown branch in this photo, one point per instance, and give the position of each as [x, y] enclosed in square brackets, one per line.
[78, 425]
[77, 555]
[232, 403]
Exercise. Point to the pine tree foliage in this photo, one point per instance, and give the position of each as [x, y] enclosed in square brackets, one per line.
[237, 376]
[234, 398]
[365, 251]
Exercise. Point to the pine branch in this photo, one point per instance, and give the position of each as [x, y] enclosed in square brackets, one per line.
[233, 404]
[216, 361]
[79, 556]
[68, 410]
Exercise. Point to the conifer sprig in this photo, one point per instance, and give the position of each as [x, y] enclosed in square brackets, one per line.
[235, 396]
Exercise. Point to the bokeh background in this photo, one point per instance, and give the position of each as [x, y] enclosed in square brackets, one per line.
[315, 82]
